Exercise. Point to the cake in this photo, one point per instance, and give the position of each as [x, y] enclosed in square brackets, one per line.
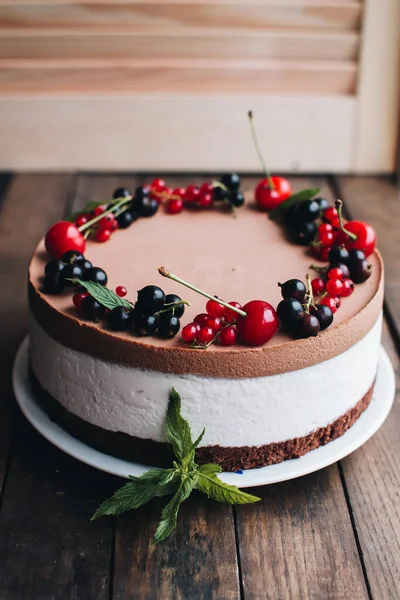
[259, 405]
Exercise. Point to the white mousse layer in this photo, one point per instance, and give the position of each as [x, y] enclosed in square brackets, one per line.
[235, 412]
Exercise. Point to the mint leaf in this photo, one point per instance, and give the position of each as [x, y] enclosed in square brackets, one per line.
[138, 491]
[178, 429]
[89, 207]
[212, 485]
[169, 515]
[102, 294]
[210, 469]
[301, 196]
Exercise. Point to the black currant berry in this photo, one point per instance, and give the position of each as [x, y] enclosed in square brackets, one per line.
[125, 219]
[322, 202]
[92, 310]
[323, 314]
[344, 268]
[292, 215]
[355, 256]
[304, 233]
[145, 206]
[121, 193]
[53, 284]
[71, 271]
[308, 327]
[168, 326]
[236, 199]
[177, 310]
[96, 274]
[142, 191]
[86, 265]
[338, 254]
[54, 266]
[360, 271]
[290, 312]
[145, 324]
[293, 288]
[120, 318]
[231, 181]
[134, 214]
[219, 194]
[150, 299]
[308, 210]
[73, 257]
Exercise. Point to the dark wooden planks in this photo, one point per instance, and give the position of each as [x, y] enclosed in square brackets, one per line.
[48, 547]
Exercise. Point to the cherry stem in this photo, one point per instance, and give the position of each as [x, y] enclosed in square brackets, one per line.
[113, 208]
[339, 208]
[171, 306]
[271, 184]
[165, 273]
[309, 294]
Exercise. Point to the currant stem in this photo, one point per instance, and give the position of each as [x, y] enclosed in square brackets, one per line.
[113, 208]
[165, 273]
[171, 306]
[318, 269]
[271, 184]
[339, 208]
[309, 294]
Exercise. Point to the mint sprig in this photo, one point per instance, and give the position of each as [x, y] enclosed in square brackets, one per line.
[90, 206]
[103, 294]
[301, 196]
[179, 481]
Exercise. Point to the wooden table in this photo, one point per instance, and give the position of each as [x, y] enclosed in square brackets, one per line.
[333, 534]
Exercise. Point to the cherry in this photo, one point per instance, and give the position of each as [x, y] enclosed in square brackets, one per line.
[205, 335]
[103, 235]
[259, 325]
[229, 315]
[348, 287]
[63, 236]
[174, 206]
[334, 287]
[268, 198]
[227, 337]
[365, 237]
[121, 291]
[78, 299]
[330, 302]
[189, 332]
[318, 286]
[215, 309]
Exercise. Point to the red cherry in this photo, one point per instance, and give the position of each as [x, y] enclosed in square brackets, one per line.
[227, 337]
[230, 315]
[121, 291]
[78, 299]
[318, 286]
[202, 319]
[334, 287]
[335, 273]
[189, 332]
[81, 220]
[215, 309]
[174, 206]
[348, 288]
[260, 324]
[205, 201]
[330, 302]
[205, 335]
[63, 236]
[330, 215]
[103, 235]
[192, 193]
[215, 323]
[366, 237]
[268, 198]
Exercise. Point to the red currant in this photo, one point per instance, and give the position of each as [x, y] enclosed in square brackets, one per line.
[348, 287]
[215, 309]
[202, 319]
[78, 299]
[230, 315]
[189, 332]
[206, 188]
[205, 201]
[63, 236]
[330, 302]
[121, 291]
[215, 323]
[174, 206]
[81, 220]
[334, 287]
[330, 215]
[98, 211]
[180, 192]
[192, 193]
[338, 301]
[227, 337]
[103, 235]
[158, 185]
[335, 273]
[205, 335]
[326, 238]
[318, 286]
[320, 252]
[259, 325]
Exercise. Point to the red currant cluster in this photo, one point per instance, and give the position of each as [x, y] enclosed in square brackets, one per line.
[216, 326]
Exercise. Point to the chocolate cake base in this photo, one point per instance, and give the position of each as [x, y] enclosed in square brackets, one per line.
[149, 452]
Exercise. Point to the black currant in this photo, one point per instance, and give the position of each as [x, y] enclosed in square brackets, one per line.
[145, 324]
[344, 268]
[54, 266]
[323, 314]
[231, 181]
[125, 219]
[338, 254]
[168, 326]
[177, 310]
[53, 284]
[150, 299]
[360, 271]
[142, 191]
[120, 318]
[145, 206]
[322, 202]
[71, 271]
[292, 215]
[121, 193]
[219, 194]
[96, 274]
[92, 310]
[308, 210]
[355, 256]
[236, 199]
[134, 214]
[304, 233]
[73, 257]
[86, 265]
[290, 312]
[293, 288]
[308, 326]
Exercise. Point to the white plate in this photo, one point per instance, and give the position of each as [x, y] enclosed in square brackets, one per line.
[365, 427]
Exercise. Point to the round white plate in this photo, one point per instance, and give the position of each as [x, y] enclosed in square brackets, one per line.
[365, 427]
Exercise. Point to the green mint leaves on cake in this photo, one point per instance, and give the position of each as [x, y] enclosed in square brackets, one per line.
[178, 482]
[301, 196]
[104, 295]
